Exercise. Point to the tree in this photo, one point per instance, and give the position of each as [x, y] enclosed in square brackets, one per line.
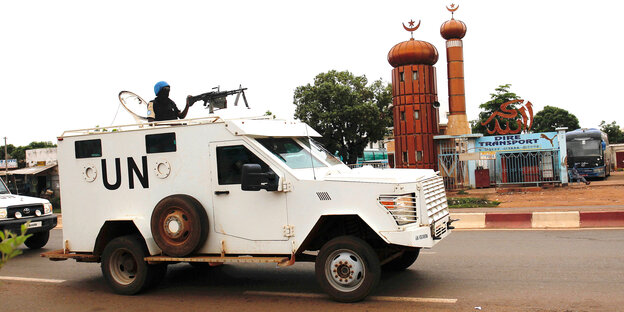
[346, 111]
[550, 118]
[613, 131]
[19, 152]
[501, 95]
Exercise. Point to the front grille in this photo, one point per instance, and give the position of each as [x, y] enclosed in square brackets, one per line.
[25, 210]
[439, 231]
[435, 199]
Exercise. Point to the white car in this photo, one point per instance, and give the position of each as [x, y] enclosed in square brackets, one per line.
[16, 210]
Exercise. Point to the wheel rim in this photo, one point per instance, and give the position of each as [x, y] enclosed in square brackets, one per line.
[344, 270]
[123, 266]
[175, 226]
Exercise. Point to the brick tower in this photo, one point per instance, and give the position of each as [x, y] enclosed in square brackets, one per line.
[415, 102]
[453, 31]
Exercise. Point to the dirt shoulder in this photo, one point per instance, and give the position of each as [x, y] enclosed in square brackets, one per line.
[608, 193]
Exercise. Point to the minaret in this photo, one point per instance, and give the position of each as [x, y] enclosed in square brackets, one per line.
[414, 99]
[453, 31]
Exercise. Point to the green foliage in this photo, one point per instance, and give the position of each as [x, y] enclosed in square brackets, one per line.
[9, 243]
[269, 114]
[19, 152]
[613, 131]
[500, 96]
[56, 203]
[345, 110]
[470, 202]
[550, 118]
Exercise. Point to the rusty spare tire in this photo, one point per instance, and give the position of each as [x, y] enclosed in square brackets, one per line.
[179, 225]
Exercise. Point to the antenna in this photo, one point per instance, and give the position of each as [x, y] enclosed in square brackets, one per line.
[311, 155]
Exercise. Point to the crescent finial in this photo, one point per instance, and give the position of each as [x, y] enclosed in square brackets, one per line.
[413, 28]
[453, 7]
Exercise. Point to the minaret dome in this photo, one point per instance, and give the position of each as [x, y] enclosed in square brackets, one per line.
[412, 52]
[453, 29]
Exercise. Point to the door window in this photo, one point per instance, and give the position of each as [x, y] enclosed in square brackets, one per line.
[230, 161]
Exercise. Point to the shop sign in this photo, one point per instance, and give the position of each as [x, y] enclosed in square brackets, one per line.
[511, 114]
[12, 164]
[517, 142]
[487, 155]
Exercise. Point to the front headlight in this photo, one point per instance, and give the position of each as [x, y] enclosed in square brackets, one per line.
[402, 207]
[47, 208]
[3, 213]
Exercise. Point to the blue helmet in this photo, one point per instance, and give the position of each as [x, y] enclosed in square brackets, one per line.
[159, 85]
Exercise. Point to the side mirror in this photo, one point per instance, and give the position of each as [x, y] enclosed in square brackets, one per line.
[253, 179]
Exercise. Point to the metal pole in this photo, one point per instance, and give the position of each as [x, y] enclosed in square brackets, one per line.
[6, 162]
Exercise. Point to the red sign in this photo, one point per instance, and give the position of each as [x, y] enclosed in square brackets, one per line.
[526, 111]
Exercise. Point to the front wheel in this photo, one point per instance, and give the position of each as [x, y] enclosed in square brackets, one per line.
[37, 240]
[402, 262]
[347, 268]
[125, 269]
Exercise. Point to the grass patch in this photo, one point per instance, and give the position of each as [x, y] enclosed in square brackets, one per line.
[470, 202]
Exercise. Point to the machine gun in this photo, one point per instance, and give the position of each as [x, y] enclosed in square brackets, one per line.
[217, 99]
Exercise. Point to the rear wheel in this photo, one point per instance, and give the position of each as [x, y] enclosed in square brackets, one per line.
[37, 240]
[347, 268]
[125, 269]
[403, 261]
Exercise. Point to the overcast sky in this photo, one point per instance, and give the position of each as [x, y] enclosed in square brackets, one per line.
[63, 63]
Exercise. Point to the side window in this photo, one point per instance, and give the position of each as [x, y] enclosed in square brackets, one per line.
[88, 148]
[230, 161]
[160, 143]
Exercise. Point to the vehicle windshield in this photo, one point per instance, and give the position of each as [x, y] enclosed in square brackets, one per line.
[3, 189]
[583, 148]
[319, 151]
[291, 153]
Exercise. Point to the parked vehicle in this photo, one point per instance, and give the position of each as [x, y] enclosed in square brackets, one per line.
[590, 151]
[244, 190]
[16, 210]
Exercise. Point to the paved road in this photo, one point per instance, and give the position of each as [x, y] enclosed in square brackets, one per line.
[554, 270]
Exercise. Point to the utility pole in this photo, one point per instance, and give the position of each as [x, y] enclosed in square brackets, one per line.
[6, 162]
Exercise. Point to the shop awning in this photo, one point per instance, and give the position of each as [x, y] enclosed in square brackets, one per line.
[28, 171]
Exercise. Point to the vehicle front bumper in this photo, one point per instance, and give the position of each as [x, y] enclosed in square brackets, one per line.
[419, 236]
[14, 225]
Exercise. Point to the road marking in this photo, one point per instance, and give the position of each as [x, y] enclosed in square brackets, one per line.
[427, 252]
[374, 298]
[29, 279]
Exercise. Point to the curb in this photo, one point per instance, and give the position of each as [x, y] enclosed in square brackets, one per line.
[528, 220]
[59, 221]
[539, 220]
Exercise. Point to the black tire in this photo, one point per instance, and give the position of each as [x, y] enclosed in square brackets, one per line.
[179, 225]
[403, 261]
[124, 269]
[347, 269]
[37, 240]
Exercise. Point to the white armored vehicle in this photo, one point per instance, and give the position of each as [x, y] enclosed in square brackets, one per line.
[243, 190]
